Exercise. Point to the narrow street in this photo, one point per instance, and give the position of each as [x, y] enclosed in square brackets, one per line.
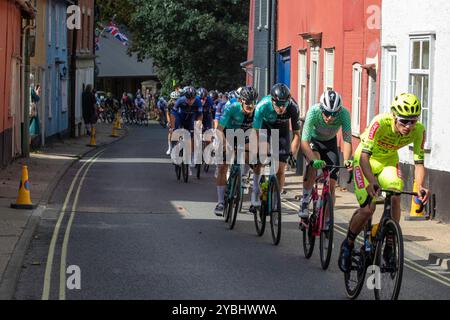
[136, 232]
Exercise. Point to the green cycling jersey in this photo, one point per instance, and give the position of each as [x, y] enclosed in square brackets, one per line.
[381, 141]
[316, 128]
[233, 117]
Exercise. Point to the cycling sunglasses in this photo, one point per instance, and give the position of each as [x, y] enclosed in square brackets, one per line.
[330, 114]
[281, 104]
[408, 121]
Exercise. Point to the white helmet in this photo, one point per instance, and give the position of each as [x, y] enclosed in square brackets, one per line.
[331, 101]
[238, 91]
[175, 95]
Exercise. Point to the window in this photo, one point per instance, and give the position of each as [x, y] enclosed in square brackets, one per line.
[257, 78]
[57, 26]
[329, 69]
[391, 77]
[302, 82]
[420, 64]
[260, 15]
[314, 77]
[89, 30]
[356, 99]
[64, 32]
[371, 95]
[266, 81]
[267, 14]
[49, 35]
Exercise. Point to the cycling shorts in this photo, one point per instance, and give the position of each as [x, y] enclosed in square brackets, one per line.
[386, 171]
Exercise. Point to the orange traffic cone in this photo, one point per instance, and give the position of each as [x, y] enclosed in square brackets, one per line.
[23, 199]
[119, 121]
[92, 143]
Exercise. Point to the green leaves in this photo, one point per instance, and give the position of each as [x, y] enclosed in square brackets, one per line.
[197, 42]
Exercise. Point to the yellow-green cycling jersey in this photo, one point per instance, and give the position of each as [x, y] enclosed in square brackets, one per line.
[382, 142]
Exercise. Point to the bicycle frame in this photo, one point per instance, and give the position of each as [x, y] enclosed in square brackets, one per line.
[315, 197]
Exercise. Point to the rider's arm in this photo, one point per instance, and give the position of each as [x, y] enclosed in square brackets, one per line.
[308, 129]
[295, 144]
[295, 125]
[419, 158]
[347, 134]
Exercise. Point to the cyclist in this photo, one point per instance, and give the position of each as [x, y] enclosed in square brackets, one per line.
[139, 104]
[278, 111]
[238, 115]
[170, 119]
[319, 142]
[162, 110]
[207, 106]
[214, 95]
[187, 111]
[376, 166]
[219, 109]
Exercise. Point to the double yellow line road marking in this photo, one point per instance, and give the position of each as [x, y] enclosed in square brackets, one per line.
[51, 252]
[408, 262]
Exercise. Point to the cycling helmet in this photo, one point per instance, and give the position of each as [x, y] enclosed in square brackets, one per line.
[189, 92]
[249, 95]
[214, 95]
[406, 105]
[331, 101]
[174, 95]
[239, 90]
[202, 93]
[280, 93]
[233, 95]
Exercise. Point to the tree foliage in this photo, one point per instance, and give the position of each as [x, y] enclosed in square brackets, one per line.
[195, 42]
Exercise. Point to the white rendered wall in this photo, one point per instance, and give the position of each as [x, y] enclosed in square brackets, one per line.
[399, 19]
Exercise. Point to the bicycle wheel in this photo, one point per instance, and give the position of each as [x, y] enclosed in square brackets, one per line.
[206, 167]
[389, 259]
[308, 238]
[199, 170]
[185, 169]
[326, 231]
[178, 172]
[275, 210]
[354, 280]
[234, 200]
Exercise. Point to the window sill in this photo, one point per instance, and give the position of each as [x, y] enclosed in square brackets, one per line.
[356, 135]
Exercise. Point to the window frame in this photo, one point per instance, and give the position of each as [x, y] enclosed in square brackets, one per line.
[423, 37]
[356, 105]
[302, 80]
[327, 53]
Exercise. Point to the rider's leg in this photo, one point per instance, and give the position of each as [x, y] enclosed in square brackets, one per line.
[281, 174]
[308, 183]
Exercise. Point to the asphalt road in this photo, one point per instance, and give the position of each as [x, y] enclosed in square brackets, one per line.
[135, 232]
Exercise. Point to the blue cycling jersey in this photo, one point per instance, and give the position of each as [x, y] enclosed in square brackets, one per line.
[219, 110]
[182, 106]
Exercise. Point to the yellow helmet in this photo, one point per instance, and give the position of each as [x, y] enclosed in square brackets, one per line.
[406, 105]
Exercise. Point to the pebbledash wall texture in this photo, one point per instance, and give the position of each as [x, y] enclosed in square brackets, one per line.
[415, 48]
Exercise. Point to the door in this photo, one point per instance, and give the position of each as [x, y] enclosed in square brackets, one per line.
[284, 67]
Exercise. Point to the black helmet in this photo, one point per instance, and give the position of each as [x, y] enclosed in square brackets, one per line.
[189, 92]
[202, 93]
[280, 92]
[249, 95]
[214, 95]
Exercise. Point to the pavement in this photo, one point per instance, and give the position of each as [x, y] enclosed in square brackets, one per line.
[46, 166]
